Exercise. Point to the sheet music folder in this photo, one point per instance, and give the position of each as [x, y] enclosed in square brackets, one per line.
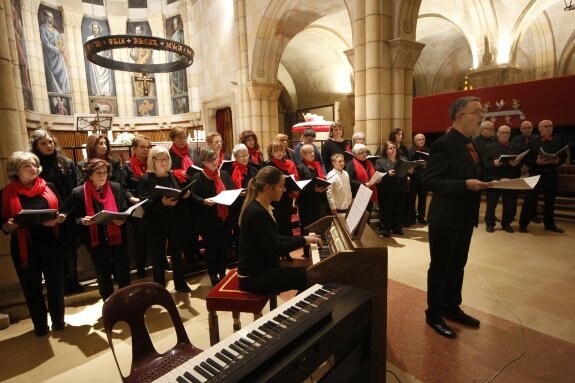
[32, 217]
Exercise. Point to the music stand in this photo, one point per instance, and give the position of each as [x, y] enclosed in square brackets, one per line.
[96, 123]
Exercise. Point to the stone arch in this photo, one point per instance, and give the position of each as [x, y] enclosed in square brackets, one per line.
[567, 57]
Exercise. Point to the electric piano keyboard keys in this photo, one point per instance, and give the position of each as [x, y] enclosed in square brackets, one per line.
[258, 341]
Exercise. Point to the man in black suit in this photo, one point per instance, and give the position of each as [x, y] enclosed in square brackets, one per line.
[453, 175]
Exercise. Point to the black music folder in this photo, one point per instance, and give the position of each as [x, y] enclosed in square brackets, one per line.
[505, 158]
[33, 217]
[419, 155]
[104, 217]
[193, 170]
[163, 191]
[549, 156]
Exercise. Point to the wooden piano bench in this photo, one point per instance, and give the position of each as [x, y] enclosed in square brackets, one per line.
[227, 296]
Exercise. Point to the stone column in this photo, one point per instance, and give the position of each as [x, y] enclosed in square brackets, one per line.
[404, 55]
[263, 111]
[358, 26]
[242, 91]
[75, 46]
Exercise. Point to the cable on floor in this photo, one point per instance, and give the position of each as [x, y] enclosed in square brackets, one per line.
[524, 338]
[395, 376]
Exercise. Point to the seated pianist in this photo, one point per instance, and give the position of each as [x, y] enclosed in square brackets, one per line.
[261, 245]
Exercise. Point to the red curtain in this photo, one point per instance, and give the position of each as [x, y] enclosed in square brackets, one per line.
[224, 127]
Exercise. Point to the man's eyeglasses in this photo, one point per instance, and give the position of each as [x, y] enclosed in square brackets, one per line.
[144, 147]
[476, 112]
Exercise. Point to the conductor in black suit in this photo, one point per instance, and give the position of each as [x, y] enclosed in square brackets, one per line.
[453, 175]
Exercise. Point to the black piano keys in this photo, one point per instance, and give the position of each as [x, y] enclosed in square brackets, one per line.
[258, 338]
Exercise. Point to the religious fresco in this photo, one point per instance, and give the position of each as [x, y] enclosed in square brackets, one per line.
[146, 107]
[100, 80]
[22, 54]
[55, 55]
[178, 79]
[61, 105]
[143, 84]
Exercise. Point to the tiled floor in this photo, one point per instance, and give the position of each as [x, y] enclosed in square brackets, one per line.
[521, 286]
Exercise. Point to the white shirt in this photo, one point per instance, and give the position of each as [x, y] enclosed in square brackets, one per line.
[339, 192]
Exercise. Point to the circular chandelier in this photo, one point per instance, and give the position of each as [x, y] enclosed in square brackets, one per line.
[184, 53]
[569, 6]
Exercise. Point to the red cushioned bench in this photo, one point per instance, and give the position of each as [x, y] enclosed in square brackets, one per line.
[227, 296]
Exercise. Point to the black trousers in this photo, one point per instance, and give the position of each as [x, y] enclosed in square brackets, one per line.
[160, 241]
[416, 201]
[217, 240]
[509, 198]
[45, 259]
[108, 262]
[449, 249]
[137, 230]
[548, 184]
[276, 280]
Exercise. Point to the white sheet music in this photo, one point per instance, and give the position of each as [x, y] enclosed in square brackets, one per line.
[227, 197]
[516, 183]
[358, 207]
[377, 176]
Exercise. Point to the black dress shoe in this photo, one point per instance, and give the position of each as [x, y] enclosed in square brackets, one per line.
[489, 229]
[398, 231]
[422, 221]
[523, 229]
[440, 327]
[536, 220]
[459, 316]
[214, 279]
[508, 229]
[556, 229]
[58, 326]
[385, 233]
[39, 332]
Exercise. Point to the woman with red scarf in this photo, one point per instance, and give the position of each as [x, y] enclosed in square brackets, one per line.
[360, 171]
[106, 243]
[135, 168]
[312, 200]
[250, 140]
[214, 140]
[216, 226]
[164, 218]
[98, 146]
[241, 172]
[36, 250]
[283, 207]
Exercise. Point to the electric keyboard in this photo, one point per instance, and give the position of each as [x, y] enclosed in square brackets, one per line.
[239, 354]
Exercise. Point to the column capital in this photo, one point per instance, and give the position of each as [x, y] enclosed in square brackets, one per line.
[404, 53]
[263, 91]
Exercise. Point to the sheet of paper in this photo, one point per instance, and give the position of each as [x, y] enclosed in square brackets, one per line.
[358, 207]
[516, 183]
[301, 184]
[227, 197]
[377, 176]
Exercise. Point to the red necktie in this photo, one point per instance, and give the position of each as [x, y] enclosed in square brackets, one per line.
[475, 156]
[546, 139]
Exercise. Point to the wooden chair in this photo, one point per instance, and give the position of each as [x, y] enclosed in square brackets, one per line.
[129, 305]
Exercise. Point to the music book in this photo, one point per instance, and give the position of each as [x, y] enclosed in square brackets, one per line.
[193, 170]
[163, 191]
[419, 155]
[510, 157]
[358, 208]
[403, 166]
[548, 156]
[104, 217]
[227, 197]
[516, 183]
[376, 177]
[227, 166]
[292, 185]
[33, 217]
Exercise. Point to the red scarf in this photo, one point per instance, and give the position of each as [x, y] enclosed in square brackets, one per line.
[238, 174]
[11, 206]
[184, 154]
[138, 168]
[315, 165]
[362, 175]
[215, 176]
[255, 156]
[107, 199]
[286, 166]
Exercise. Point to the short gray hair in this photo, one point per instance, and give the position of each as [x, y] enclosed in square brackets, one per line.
[357, 147]
[15, 161]
[459, 104]
[239, 148]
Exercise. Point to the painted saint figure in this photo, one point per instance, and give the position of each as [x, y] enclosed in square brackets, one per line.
[101, 79]
[57, 77]
[178, 81]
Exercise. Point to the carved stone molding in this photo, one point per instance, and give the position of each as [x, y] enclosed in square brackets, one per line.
[263, 91]
[492, 77]
[72, 19]
[404, 53]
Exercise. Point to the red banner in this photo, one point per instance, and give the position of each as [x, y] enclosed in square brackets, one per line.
[552, 99]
